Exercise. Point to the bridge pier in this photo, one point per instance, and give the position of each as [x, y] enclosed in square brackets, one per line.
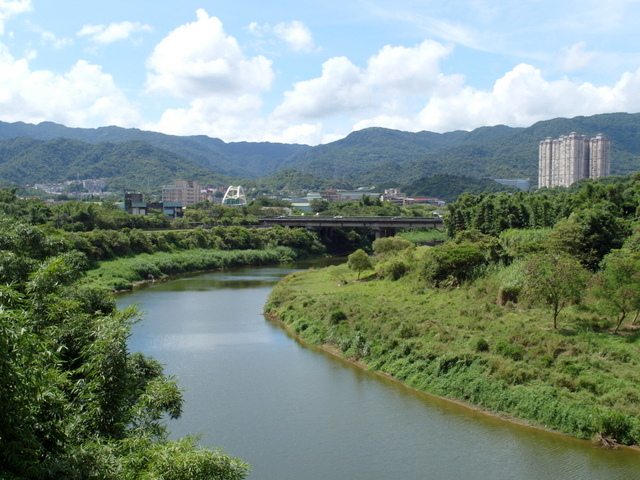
[382, 232]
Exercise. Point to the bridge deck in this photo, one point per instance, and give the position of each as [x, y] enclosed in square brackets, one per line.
[317, 221]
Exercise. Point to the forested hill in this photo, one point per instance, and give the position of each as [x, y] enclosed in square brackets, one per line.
[130, 165]
[374, 156]
[242, 159]
[516, 154]
[379, 155]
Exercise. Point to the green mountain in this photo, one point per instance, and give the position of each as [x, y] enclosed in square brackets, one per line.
[242, 159]
[373, 156]
[378, 156]
[129, 165]
[516, 155]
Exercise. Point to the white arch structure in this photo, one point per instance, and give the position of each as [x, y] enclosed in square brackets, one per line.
[234, 197]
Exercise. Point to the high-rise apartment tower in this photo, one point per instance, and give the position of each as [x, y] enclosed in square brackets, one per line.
[565, 160]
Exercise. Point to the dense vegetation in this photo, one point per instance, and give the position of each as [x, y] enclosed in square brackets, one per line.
[77, 404]
[424, 163]
[240, 159]
[535, 319]
[391, 158]
[449, 187]
[125, 166]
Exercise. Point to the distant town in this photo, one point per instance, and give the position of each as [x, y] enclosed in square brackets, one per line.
[561, 162]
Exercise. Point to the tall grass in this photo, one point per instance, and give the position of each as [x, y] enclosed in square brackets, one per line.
[123, 273]
[464, 343]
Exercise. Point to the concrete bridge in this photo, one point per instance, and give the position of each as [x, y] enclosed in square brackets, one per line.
[382, 226]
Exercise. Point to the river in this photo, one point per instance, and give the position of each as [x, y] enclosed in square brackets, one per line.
[296, 413]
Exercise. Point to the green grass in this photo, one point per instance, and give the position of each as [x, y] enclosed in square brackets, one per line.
[419, 236]
[123, 273]
[581, 379]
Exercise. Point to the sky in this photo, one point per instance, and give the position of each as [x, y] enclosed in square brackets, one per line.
[313, 71]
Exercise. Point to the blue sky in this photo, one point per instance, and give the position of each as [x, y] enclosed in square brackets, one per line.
[311, 72]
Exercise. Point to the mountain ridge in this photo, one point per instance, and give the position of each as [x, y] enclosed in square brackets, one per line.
[372, 156]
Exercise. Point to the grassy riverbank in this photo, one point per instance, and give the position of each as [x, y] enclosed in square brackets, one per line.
[581, 379]
[123, 273]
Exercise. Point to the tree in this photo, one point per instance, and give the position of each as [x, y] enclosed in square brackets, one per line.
[390, 244]
[451, 264]
[76, 403]
[319, 205]
[617, 285]
[556, 280]
[359, 261]
[590, 234]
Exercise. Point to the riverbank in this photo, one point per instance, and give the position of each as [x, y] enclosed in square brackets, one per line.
[124, 273]
[461, 345]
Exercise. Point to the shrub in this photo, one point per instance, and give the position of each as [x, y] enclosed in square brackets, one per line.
[518, 242]
[390, 244]
[451, 262]
[480, 345]
[393, 270]
[618, 426]
[336, 316]
[510, 350]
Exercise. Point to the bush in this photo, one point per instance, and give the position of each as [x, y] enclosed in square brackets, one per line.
[520, 242]
[393, 270]
[337, 316]
[453, 263]
[390, 244]
[618, 426]
[480, 345]
[510, 350]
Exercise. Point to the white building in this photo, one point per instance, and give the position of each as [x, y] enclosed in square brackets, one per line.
[565, 160]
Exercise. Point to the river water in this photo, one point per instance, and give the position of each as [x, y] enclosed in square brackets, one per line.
[295, 413]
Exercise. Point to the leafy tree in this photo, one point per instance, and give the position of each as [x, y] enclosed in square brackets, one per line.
[617, 285]
[590, 234]
[555, 280]
[318, 205]
[390, 244]
[359, 261]
[76, 403]
[462, 258]
[452, 264]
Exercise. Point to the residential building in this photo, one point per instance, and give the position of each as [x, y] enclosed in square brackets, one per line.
[185, 192]
[569, 158]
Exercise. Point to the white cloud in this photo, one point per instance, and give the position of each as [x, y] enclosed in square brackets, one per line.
[341, 88]
[296, 35]
[408, 70]
[254, 28]
[576, 57]
[230, 118]
[392, 76]
[304, 133]
[50, 38]
[522, 97]
[10, 8]
[105, 34]
[406, 123]
[83, 96]
[199, 59]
